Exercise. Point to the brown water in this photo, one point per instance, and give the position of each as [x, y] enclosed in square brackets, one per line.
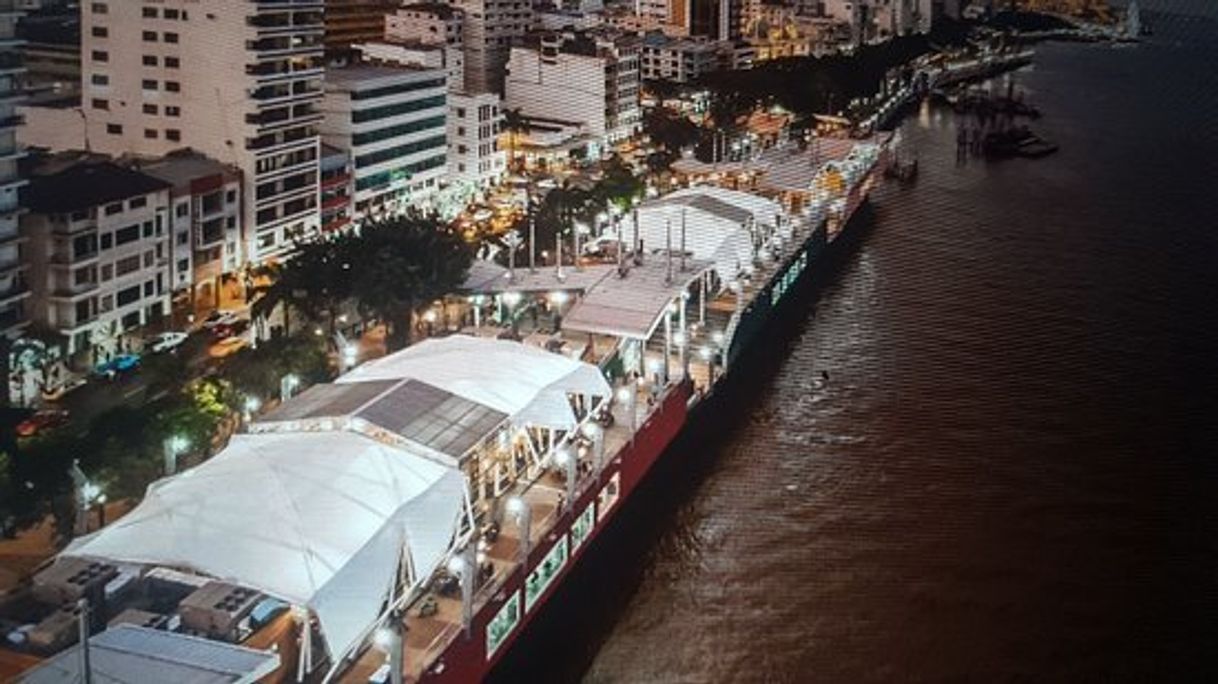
[1012, 471]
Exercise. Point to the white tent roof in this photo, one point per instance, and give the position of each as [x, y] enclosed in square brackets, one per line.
[714, 231]
[528, 384]
[764, 211]
[317, 519]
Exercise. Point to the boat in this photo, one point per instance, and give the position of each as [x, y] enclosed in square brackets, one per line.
[421, 510]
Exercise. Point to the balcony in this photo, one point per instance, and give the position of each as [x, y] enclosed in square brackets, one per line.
[73, 291]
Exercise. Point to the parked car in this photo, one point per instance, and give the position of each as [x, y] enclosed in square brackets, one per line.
[42, 421]
[119, 364]
[226, 330]
[220, 317]
[166, 341]
[56, 393]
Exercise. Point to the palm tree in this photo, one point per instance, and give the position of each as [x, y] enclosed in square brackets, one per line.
[514, 124]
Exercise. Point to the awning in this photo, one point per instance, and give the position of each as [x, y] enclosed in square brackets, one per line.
[633, 306]
[319, 519]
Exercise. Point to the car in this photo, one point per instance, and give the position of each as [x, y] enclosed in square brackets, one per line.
[41, 421]
[226, 346]
[119, 364]
[226, 330]
[220, 317]
[58, 392]
[166, 341]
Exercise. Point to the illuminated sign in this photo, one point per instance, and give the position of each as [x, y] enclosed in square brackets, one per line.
[501, 626]
[544, 573]
[784, 282]
[582, 527]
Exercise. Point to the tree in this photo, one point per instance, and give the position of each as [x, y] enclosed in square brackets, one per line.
[514, 124]
[404, 265]
[316, 280]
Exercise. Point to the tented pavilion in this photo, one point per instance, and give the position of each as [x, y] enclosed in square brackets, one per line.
[353, 493]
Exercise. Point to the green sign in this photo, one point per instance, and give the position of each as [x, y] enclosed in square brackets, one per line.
[544, 573]
[501, 626]
[582, 527]
[788, 278]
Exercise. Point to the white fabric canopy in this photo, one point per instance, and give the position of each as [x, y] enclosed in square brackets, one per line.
[765, 211]
[317, 519]
[709, 236]
[528, 384]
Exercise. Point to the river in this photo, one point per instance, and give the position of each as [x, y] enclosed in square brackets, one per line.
[1011, 473]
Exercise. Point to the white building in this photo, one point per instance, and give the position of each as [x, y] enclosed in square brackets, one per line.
[206, 212]
[680, 60]
[393, 122]
[98, 248]
[237, 80]
[578, 78]
[13, 290]
[490, 28]
[474, 156]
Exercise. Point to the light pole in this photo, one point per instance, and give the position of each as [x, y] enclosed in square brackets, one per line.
[173, 447]
[594, 432]
[389, 639]
[251, 404]
[522, 514]
[628, 395]
[513, 242]
[287, 385]
[566, 460]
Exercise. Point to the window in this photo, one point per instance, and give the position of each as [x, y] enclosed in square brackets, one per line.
[107, 240]
[460, 112]
[107, 272]
[126, 265]
[148, 288]
[171, 14]
[149, 36]
[172, 62]
[101, 32]
[183, 264]
[149, 60]
[149, 84]
[128, 295]
[101, 56]
[148, 258]
[173, 86]
[99, 79]
[150, 109]
[84, 247]
[137, 203]
[150, 13]
[83, 310]
[170, 110]
[231, 197]
[170, 37]
[147, 229]
[123, 236]
[150, 134]
[103, 105]
[100, 8]
[183, 238]
[173, 134]
[182, 210]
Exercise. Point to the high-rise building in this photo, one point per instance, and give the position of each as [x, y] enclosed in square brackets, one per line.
[236, 80]
[474, 156]
[392, 120]
[13, 290]
[355, 21]
[490, 28]
[578, 78]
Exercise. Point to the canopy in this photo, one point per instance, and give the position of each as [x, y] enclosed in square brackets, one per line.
[315, 518]
[530, 385]
[714, 230]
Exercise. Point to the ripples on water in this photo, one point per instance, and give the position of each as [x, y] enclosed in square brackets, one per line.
[1010, 472]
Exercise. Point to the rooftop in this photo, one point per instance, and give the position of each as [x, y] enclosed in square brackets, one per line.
[357, 76]
[182, 167]
[85, 185]
[128, 653]
[441, 10]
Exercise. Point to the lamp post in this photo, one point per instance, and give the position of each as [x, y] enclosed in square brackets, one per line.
[247, 410]
[389, 639]
[522, 513]
[84, 627]
[288, 385]
[172, 447]
[513, 242]
[628, 395]
[567, 461]
[594, 432]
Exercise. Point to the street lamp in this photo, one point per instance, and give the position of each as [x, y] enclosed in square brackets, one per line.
[251, 404]
[288, 385]
[594, 432]
[350, 355]
[172, 448]
[627, 395]
[566, 460]
[522, 513]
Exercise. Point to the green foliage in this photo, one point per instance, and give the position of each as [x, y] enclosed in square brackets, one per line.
[257, 372]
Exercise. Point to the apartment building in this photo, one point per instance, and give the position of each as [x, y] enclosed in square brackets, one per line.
[490, 28]
[474, 156]
[429, 23]
[580, 78]
[98, 252]
[205, 197]
[680, 60]
[354, 21]
[392, 121]
[238, 81]
[337, 189]
[13, 291]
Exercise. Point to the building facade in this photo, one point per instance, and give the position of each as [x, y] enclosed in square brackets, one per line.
[205, 201]
[580, 78]
[13, 290]
[393, 122]
[354, 21]
[98, 248]
[680, 60]
[474, 156]
[238, 81]
[337, 190]
[490, 28]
